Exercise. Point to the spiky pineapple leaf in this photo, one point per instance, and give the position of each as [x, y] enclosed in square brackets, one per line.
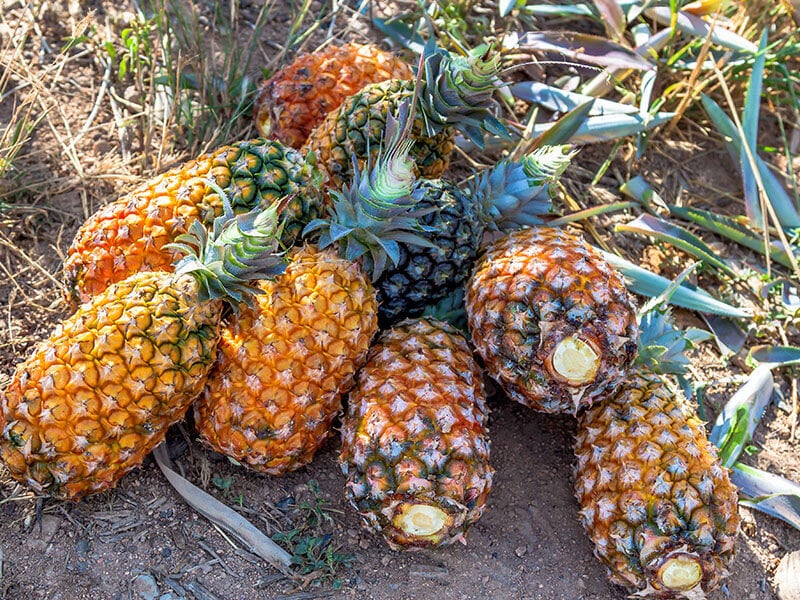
[768, 493]
[663, 230]
[738, 419]
[647, 283]
[775, 356]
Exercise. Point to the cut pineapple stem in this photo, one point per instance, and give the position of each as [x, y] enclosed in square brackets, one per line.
[421, 520]
[681, 573]
[575, 361]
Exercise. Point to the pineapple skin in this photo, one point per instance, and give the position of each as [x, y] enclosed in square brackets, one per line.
[415, 433]
[355, 130]
[650, 486]
[530, 290]
[284, 364]
[95, 398]
[299, 96]
[129, 235]
[423, 276]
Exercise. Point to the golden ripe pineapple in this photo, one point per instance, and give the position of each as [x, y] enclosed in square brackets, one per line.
[454, 93]
[130, 234]
[285, 362]
[414, 443]
[655, 499]
[299, 96]
[95, 398]
[551, 319]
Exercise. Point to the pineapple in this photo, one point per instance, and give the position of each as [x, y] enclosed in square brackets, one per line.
[551, 319]
[285, 363]
[130, 234]
[655, 500]
[299, 96]
[414, 442]
[511, 194]
[454, 92]
[95, 398]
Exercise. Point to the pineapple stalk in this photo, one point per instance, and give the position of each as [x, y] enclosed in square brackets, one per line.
[95, 398]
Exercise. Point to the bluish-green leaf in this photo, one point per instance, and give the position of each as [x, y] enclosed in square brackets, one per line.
[564, 129]
[558, 100]
[771, 494]
[677, 236]
[506, 6]
[728, 335]
[733, 230]
[695, 26]
[582, 47]
[609, 127]
[734, 426]
[776, 194]
[776, 356]
[752, 106]
[647, 283]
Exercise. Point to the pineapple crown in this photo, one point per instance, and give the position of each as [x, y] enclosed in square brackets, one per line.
[240, 249]
[515, 194]
[369, 218]
[662, 346]
[457, 91]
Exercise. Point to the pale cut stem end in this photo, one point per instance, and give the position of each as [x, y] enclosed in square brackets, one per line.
[575, 361]
[681, 573]
[421, 520]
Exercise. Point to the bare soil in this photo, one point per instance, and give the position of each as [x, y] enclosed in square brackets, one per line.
[141, 540]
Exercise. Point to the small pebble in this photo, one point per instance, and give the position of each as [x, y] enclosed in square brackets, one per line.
[521, 551]
[144, 587]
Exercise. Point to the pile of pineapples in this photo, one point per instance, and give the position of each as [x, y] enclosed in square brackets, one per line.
[260, 284]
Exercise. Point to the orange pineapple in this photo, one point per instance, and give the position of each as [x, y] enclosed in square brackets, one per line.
[130, 234]
[414, 445]
[552, 320]
[95, 398]
[285, 363]
[655, 500]
[296, 98]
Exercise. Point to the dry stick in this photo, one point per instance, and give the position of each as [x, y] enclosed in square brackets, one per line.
[227, 518]
[96, 107]
[766, 205]
[693, 89]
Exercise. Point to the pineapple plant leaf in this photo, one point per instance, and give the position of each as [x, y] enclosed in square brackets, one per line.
[91, 401]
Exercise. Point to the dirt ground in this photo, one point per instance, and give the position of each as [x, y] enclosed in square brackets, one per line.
[141, 541]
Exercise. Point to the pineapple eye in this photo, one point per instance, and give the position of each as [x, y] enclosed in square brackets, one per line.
[575, 361]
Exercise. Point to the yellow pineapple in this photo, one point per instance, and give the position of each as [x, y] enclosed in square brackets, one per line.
[551, 319]
[285, 362]
[95, 398]
[130, 234]
[655, 499]
[299, 96]
[414, 444]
